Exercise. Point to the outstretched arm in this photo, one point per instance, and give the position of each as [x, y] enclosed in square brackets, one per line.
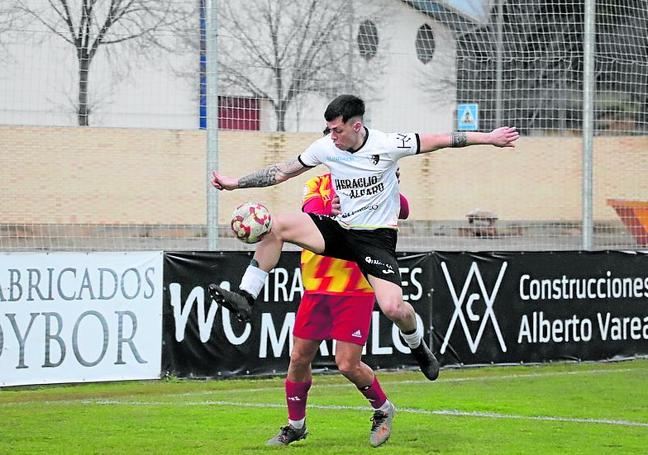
[500, 137]
[269, 176]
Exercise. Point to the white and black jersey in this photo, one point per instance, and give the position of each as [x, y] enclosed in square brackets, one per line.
[365, 179]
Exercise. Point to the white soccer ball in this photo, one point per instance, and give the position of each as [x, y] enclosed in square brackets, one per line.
[251, 222]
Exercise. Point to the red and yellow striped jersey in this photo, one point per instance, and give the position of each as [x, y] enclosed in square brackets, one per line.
[322, 274]
[318, 195]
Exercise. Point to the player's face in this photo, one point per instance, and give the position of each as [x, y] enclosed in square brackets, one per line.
[345, 135]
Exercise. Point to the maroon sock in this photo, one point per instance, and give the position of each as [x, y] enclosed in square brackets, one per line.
[374, 393]
[296, 396]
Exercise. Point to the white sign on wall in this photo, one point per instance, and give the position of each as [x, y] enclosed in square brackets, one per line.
[73, 317]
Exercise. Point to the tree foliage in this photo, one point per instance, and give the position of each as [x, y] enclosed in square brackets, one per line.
[280, 50]
[8, 19]
[91, 25]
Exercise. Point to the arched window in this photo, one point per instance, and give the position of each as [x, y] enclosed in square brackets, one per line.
[425, 43]
[368, 40]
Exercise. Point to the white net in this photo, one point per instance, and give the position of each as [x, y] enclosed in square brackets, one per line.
[103, 116]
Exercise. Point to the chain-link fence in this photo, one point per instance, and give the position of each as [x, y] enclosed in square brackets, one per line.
[106, 106]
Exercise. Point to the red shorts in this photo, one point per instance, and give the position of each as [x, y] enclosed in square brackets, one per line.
[338, 317]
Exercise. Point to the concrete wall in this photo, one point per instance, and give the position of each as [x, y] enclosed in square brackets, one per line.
[141, 176]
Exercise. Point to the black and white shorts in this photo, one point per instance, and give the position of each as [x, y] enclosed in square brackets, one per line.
[373, 250]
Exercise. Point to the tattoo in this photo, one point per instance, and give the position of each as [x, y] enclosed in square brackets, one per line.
[264, 177]
[272, 175]
[459, 139]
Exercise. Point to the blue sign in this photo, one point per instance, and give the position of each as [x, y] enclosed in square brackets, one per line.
[467, 117]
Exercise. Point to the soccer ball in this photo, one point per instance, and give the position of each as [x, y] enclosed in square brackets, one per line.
[251, 222]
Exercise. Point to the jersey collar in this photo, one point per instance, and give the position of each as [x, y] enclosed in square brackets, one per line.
[363, 142]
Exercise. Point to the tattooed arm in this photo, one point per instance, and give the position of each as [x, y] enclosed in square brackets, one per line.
[271, 175]
[500, 137]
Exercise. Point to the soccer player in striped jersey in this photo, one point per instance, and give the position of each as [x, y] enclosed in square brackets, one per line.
[337, 304]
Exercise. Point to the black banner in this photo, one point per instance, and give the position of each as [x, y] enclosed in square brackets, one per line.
[483, 308]
[201, 339]
[539, 306]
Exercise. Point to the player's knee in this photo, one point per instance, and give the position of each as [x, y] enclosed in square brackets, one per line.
[393, 308]
[285, 226]
[299, 359]
[347, 366]
[278, 227]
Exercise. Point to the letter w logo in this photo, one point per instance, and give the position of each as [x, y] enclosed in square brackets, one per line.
[205, 319]
[459, 300]
[181, 314]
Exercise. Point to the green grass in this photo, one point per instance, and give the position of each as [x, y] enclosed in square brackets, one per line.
[588, 408]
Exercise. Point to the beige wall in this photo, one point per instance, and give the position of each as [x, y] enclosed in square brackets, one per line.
[144, 176]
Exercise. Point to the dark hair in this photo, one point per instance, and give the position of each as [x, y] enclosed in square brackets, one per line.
[347, 106]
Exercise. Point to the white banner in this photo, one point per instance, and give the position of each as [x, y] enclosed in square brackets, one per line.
[73, 317]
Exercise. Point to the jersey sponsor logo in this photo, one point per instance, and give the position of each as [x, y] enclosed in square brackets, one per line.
[354, 194]
[362, 209]
[464, 307]
[363, 186]
[340, 158]
[361, 182]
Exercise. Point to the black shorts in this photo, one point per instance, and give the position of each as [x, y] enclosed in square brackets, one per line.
[373, 250]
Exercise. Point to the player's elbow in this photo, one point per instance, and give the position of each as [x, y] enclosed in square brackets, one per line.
[286, 174]
[281, 177]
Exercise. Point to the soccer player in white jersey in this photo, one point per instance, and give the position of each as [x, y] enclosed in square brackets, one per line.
[363, 165]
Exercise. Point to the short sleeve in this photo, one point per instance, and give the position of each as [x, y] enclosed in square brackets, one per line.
[312, 156]
[404, 144]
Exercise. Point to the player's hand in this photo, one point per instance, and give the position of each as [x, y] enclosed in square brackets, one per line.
[504, 137]
[223, 183]
[336, 208]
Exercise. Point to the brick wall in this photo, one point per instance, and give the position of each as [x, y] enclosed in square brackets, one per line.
[142, 176]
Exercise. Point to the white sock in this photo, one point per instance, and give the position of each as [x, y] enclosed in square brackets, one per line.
[384, 407]
[253, 280]
[297, 423]
[413, 340]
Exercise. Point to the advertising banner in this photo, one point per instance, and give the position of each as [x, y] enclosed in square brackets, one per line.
[202, 339]
[72, 317]
[539, 306]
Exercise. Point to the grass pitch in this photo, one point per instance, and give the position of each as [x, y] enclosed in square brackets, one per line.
[586, 408]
